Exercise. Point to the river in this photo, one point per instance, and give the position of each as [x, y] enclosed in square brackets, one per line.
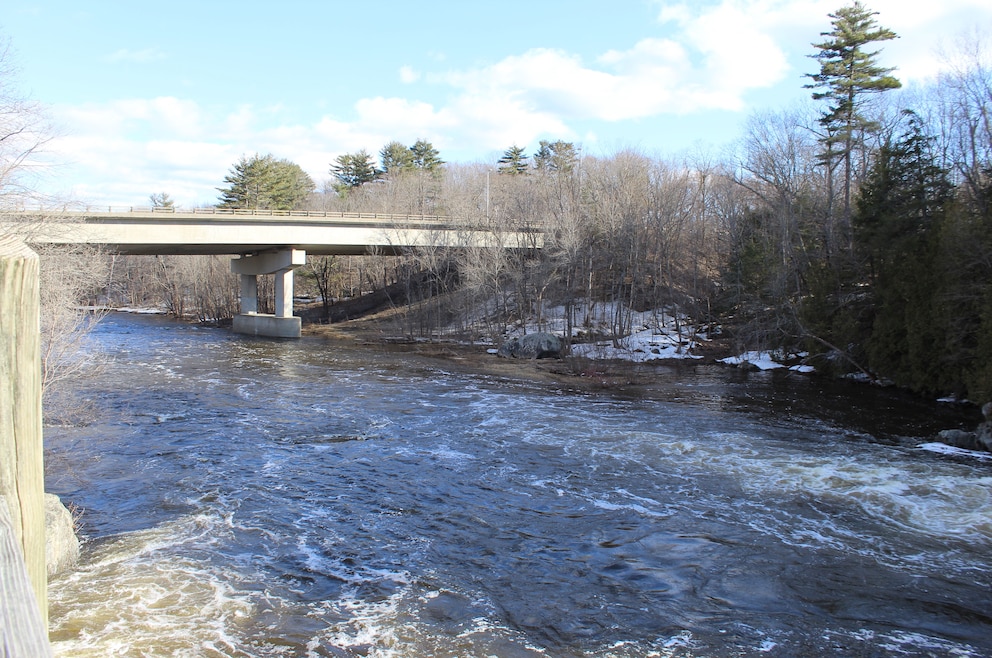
[244, 497]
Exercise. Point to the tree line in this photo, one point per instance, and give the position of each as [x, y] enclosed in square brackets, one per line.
[855, 227]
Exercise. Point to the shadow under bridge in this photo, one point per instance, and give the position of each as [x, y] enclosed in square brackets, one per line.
[264, 242]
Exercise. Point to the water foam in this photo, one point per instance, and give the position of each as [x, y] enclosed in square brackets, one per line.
[137, 594]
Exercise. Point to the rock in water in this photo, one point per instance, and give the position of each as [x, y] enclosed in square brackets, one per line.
[958, 439]
[538, 345]
[983, 435]
[61, 544]
[980, 439]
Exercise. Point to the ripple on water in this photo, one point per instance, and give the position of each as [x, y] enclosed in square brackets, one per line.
[315, 502]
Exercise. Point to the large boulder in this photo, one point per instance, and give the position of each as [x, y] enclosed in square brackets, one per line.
[61, 544]
[958, 439]
[980, 439]
[983, 435]
[538, 345]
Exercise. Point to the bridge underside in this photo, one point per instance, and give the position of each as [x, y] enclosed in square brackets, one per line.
[265, 244]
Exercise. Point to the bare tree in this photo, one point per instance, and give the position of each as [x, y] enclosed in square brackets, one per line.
[788, 227]
[24, 132]
[965, 100]
[322, 272]
[68, 276]
[71, 281]
[201, 287]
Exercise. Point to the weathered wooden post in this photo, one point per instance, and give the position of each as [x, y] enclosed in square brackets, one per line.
[22, 472]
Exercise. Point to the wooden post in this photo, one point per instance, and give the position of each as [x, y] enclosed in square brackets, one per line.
[22, 472]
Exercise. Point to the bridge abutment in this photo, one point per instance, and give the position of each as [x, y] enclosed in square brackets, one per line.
[271, 326]
[281, 264]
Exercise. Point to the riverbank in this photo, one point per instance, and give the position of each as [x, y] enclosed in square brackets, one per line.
[646, 369]
[626, 375]
[574, 371]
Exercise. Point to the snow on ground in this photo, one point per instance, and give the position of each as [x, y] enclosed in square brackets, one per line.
[123, 309]
[767, 361]
[760, 360]
[656, 334]
[143, 311]
[646, 345]
[945, 449]
[653, 335]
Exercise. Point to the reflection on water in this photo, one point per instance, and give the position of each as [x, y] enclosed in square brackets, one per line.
[266, 498]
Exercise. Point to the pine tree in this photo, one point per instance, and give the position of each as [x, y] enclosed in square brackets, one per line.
[162, 200]
[513, 162]
[354, 169]
[263, 182]
[901, 207]
[555, 156]
[848, 75]
[395, 158]
[425, 156]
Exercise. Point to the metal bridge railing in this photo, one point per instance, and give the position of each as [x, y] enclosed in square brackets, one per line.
[22, 627]
[258, 212]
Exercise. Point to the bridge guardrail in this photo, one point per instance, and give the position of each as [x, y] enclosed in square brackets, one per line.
[22, 628]
[249, 212]
[397, 220]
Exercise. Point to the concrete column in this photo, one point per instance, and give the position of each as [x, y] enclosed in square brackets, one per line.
[284, 293]
[249, 293]
[281, 264]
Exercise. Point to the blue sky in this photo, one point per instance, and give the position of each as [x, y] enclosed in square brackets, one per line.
[153, 97]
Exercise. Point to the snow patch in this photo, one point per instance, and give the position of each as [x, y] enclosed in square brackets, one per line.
[760, 360]
[945, 449]
[651, 335]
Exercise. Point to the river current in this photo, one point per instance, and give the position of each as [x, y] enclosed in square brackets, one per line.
[248, 497]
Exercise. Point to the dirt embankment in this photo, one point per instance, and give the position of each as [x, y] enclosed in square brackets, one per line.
[569, 372]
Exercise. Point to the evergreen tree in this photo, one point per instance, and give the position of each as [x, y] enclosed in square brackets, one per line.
[265, 183]
[900, 210]
[848, 75]
[558, 156]
[162, 200]
[905, 193]
[354, 169]
[965, 299]
[426, 157]
[395, 158]
[513, 162]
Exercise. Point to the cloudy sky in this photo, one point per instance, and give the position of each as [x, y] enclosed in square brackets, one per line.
[165, 97]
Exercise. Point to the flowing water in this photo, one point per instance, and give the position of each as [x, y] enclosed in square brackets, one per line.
[246, 497]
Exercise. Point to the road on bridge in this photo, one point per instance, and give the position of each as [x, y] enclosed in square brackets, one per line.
[160, 231]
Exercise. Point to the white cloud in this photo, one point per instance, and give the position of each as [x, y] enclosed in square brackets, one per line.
[750, 38]
[177, 146]
[162, 144]
[925, 28]
[713, 56]
[163, 115]
[704, 56]
[408, 75]
[395, 114]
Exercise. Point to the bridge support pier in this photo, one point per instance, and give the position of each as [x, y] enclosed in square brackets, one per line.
[280, 263]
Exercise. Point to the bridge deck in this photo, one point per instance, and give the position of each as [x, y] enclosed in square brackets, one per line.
[222, 231]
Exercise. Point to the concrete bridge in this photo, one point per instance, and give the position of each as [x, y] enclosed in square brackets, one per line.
[264, 241]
